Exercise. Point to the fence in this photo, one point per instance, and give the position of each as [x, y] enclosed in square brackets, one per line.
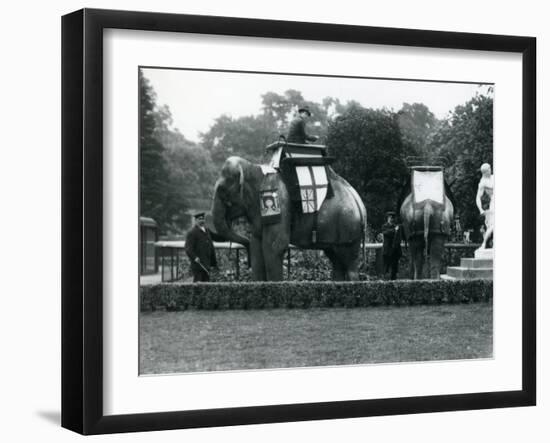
[298, 264]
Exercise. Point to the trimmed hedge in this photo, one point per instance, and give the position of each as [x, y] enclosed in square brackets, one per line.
[269, 295]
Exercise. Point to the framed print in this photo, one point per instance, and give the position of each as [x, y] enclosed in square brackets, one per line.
[270, 221]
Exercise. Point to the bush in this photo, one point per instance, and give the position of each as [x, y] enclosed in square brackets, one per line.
[313, 265]
[269, 295]
[451, 257]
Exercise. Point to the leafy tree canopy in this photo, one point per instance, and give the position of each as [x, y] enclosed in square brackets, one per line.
[153, 167]
[465, 141]
[173, 170]
[416, 124]
[369, 151]
[249, 135]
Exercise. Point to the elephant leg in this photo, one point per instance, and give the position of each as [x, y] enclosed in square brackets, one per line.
[411, 266]
[257, 259]
[352, 272]
[273, 261]
[350, 257]
[338, 271]
[417, 257]
[411, 252]
[412, 258]
[345, 262]
[275, 241]
[419, 271]
[437, 248]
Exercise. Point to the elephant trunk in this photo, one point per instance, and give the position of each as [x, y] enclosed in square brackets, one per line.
[221, 225]
[428, 212]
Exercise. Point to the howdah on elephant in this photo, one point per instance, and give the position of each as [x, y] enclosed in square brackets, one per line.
[426, 213]
[339, 223]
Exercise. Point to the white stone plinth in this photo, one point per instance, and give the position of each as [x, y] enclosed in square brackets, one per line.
[486, 253]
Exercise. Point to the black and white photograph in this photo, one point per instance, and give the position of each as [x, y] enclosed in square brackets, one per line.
[275, 221]
[289, 220]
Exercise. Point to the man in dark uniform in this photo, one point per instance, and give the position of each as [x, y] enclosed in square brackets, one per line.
[391, 249]
[200, 249]
[297, 131]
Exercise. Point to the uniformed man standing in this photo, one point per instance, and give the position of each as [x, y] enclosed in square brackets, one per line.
[391, 249]
[297, 131]
[200, 249]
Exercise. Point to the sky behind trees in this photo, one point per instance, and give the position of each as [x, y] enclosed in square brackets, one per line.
[197, 98]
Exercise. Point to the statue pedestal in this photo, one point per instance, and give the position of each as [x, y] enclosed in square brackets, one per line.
[484, 254]
[481, 266]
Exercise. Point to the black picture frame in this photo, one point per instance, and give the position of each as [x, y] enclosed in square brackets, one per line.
[82, 215]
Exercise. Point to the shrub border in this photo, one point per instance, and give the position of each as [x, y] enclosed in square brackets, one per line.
[301, 295]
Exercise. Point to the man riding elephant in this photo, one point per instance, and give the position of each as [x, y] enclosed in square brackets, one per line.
[297, 132]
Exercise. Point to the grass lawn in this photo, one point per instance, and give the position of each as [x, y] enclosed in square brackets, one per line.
[191, 341]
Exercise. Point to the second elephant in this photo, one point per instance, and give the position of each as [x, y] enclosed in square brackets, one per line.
[427, 223]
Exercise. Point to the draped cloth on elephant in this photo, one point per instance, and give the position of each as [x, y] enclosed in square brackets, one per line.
[428, 185]
[427, 195]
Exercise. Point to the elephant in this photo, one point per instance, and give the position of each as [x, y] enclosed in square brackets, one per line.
[340, 221]
[427, 225]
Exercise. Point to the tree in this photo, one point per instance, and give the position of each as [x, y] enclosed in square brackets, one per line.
[369, 154]
[249, 135]
[465, 141]
[153, 168]
[283, 107]
[191, 174]
[417, 124]
[280, 107]
[244, 136]
[172, 169]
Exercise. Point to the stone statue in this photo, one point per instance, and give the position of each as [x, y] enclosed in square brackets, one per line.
[486, 186]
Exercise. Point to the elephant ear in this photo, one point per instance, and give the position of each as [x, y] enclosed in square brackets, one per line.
[241, 181]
